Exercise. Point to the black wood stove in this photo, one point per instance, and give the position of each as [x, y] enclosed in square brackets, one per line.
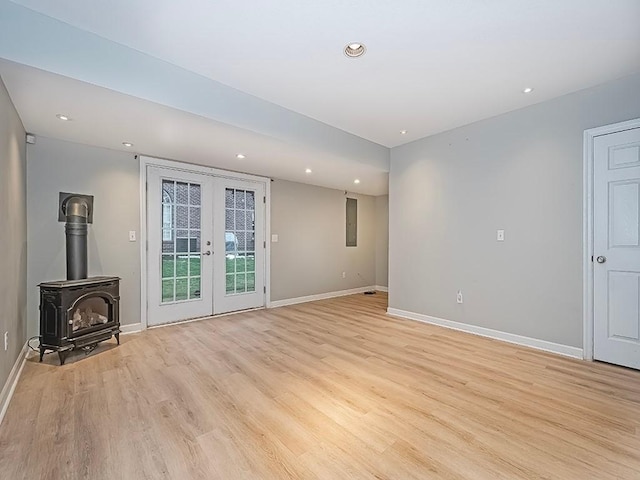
[78, 312]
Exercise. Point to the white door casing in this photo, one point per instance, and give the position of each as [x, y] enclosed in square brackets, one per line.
[616, 248]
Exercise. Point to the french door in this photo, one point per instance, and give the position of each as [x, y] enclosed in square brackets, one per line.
[238, 272]
[205, 245]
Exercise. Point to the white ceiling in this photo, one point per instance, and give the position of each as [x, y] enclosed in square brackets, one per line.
[110, 118]
[431, 65]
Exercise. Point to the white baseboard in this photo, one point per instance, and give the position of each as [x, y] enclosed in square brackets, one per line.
[560, 349]
[320, 296]
[380, 288]
[12, 381]
[132, 328]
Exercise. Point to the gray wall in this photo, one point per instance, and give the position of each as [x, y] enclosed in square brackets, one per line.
[382, 241]
[309, 258]
[310, 254]
[521, 172]
[113, 178]
[13, 234]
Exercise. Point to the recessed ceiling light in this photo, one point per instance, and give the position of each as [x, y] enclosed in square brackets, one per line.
[308, 170]
[527, 90]
[356, 181]
[127, 144]
[240, 156]
[403, 132]
[354, 49]
[62, 117]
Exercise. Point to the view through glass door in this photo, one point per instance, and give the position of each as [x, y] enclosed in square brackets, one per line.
[206, 245]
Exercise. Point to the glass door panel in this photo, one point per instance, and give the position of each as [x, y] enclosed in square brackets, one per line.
[240, 241]
[181, 232]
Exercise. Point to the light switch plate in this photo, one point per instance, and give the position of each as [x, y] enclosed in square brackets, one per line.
[132, 235]
[274, 238]
[500, 235]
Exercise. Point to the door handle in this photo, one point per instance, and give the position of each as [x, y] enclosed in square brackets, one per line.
[208, 252]
[601, 259]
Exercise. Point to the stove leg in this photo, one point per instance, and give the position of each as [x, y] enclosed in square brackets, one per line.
[117, 335]
[62, 356]
[41, 353]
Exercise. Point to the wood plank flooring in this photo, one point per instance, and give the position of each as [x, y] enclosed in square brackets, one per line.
[334, 389]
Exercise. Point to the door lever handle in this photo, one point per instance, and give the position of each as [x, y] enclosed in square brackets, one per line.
[208, 252]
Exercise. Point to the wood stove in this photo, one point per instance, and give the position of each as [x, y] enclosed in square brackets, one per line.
[77, 312]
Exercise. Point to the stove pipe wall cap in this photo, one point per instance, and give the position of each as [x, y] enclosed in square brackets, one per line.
[74, 204]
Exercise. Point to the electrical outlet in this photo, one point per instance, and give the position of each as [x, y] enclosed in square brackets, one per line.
[6, 341]
[344, 274]
[132, 235]
[459, 296]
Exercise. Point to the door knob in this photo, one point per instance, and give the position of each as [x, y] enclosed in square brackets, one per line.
[208, 252]
[601, 259]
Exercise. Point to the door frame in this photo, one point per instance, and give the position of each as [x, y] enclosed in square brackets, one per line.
[588, 227]
[146, 161]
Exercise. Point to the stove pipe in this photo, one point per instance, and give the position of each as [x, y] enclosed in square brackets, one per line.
[77, 213]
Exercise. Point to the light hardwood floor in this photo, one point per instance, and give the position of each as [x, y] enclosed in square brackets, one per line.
[335, 390]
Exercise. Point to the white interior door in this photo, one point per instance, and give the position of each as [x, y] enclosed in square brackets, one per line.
[617, 248]
[179, 232]
[239, 245]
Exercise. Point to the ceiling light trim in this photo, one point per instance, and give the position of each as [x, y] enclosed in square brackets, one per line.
[355, 49]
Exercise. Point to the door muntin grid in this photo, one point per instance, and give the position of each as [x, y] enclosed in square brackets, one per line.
[181, 241]
[240, 241]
